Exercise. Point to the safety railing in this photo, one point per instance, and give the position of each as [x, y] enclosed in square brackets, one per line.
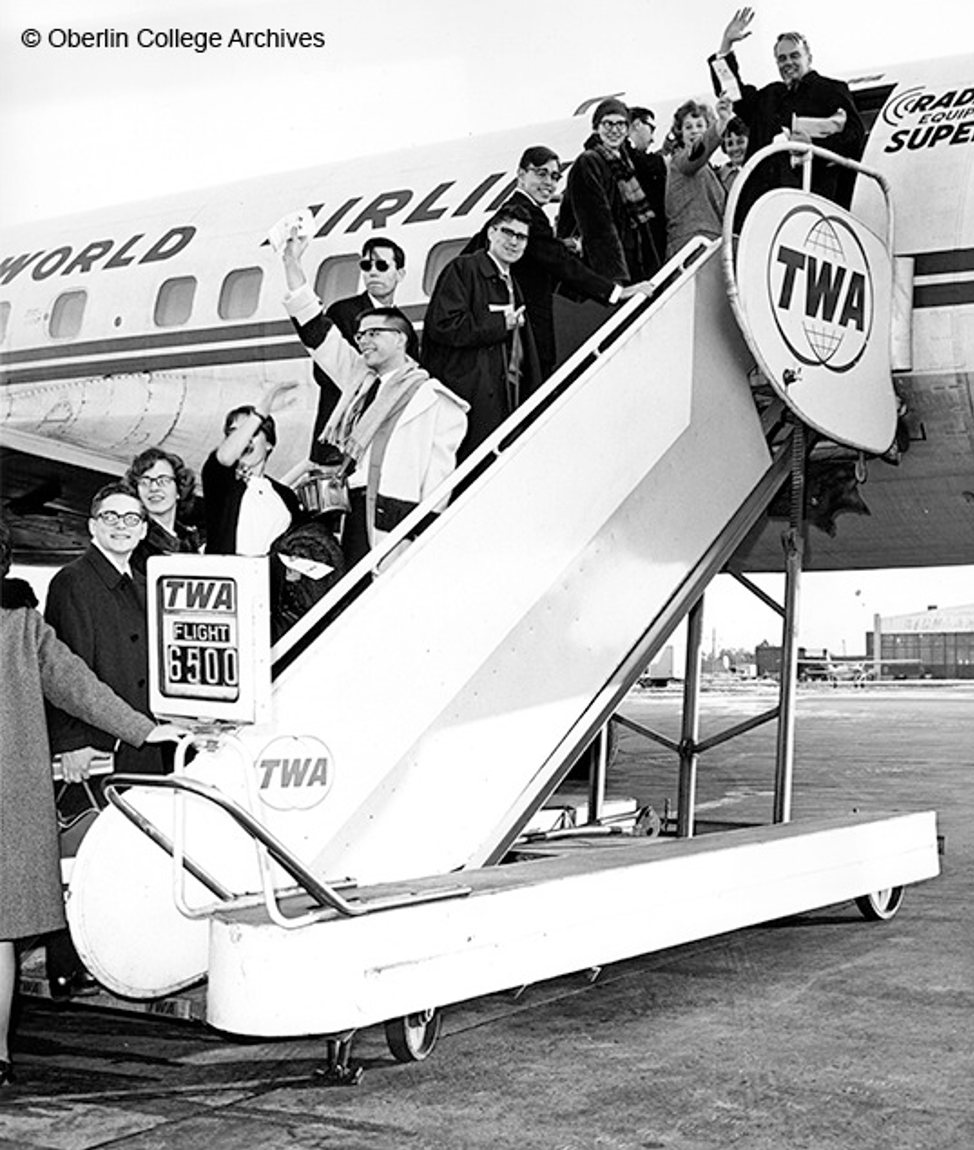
[806, 154]
[327, 896]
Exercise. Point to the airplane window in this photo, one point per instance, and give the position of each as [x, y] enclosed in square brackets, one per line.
[174, 303]
[240, 293]
[439, 256]
[66, 315]
[870, 102]
[337, 278]
[4, 319]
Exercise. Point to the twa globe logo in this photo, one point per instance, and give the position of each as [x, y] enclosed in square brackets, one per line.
[820, 289]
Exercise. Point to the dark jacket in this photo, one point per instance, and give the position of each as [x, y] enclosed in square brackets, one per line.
[100, 614]
[546, 264]
[158, 541]
[650, 168]
[344, 314]
[593, 210]
[467, 346]
[768, 110]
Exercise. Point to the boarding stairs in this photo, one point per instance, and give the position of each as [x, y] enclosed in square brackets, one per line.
[455, 692]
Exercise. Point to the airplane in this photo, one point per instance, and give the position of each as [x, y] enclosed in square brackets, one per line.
[143, 324]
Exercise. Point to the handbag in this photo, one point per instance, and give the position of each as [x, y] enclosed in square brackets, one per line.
[324, 487]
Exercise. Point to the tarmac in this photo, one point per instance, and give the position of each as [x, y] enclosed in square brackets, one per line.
[821, 1031]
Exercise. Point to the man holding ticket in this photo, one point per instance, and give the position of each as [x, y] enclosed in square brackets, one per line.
[803, 106]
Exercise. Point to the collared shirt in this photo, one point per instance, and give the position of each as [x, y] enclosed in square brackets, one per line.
[263, 516]
[121, 565]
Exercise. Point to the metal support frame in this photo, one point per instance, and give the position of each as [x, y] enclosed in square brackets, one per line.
[690, 746]
[794, 545]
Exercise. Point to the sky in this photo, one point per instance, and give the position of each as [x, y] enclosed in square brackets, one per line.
[89, 126]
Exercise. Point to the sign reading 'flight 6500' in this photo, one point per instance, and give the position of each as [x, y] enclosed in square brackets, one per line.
[209, 636]
[815, 288]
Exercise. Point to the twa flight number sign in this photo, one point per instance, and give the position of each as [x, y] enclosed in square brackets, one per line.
[815, 292]
[209, 635]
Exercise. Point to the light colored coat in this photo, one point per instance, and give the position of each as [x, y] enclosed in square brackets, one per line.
[422, 448]
[37, 665]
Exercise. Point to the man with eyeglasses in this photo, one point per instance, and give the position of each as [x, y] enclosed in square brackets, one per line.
[475, 334]
[97, 607]
[383, 267]
[395, 427]
[605, 208]
[804, 106]
[546, 262]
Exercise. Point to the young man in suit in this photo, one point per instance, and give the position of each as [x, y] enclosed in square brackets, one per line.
[547, 261]
[475, 336]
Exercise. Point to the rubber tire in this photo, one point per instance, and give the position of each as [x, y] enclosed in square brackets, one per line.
[880, 905]
[412, 1037]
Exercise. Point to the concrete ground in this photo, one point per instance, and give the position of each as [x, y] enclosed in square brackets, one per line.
[821, 1031]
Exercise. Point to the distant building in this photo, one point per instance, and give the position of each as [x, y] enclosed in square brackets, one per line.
[937, 644]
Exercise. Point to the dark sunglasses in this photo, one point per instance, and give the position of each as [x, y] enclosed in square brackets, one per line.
[380, 265]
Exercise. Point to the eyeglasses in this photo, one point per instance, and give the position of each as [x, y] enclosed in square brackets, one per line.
[113, 518]
[380, 265]
[513, 236]
[162, 481]
[614, 125]
[372, 332]
[545, 173]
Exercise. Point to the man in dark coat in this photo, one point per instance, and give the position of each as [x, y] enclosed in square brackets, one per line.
[650, 168]
[605, 207]
[547, 262]
[806, 106]
[475, 336]
[383, 265]
[97, 607]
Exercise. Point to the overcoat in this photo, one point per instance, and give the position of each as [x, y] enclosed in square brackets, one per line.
[100, 614]
[594, 210]
[344, 314]
[36, 665]
[421, 451]
[547, 263]
[468, 345]
[769, 110]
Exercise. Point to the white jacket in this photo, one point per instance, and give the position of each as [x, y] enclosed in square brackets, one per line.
[422, 449]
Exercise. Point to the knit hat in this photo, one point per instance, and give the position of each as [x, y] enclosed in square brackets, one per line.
[608, 107]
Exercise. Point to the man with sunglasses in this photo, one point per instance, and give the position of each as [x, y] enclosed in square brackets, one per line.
[97, 607]
[475, 335]
[383, 267]
[546, 262]
[395, 428]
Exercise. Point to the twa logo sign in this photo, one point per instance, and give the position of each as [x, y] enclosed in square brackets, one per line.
[813, 291]
[294, 774]
[821, 289]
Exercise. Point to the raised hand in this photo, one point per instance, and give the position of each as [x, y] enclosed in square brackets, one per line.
[737, 29]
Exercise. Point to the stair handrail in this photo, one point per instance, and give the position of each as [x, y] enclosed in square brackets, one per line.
[807, 152]
[663, 283]
[324, 894]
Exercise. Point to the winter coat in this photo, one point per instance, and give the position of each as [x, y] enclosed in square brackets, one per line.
[422, 448]
[36, 665]
[468, 345]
